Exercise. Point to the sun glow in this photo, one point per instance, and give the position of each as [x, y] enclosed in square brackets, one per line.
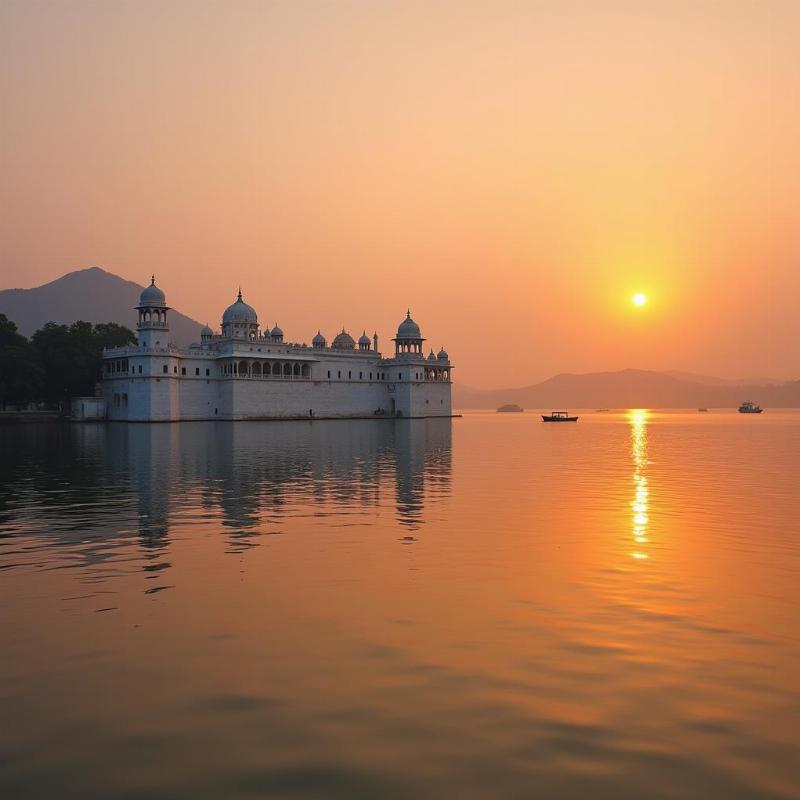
[639, 299]
[641, 500]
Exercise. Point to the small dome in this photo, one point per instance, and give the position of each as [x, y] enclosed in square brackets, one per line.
[364, 339]
[431, 356]
[319, 340]
[442, 355]
[152, 295]
[343, 341]
[408, 329]
[276, 331]
[239, 312]
[206, 331]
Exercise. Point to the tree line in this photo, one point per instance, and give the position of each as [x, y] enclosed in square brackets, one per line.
[57, 362]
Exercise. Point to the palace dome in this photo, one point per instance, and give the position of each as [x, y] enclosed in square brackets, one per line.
[431, 356]
[206, 331]
[442, 356]
[319, 340]
[408, 329]
[343, 341]
[239, 312]
[276, 331]
[364, 339]
[152, 295]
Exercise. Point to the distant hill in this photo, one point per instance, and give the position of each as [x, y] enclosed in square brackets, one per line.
[630, 388]
[710, 380]
[93, 295]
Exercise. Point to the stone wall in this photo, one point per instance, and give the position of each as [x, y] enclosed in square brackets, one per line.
[185, 392]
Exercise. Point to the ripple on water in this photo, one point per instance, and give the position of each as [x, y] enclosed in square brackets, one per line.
[225, 610]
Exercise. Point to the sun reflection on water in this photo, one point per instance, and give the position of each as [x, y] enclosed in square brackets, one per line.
[640, 504]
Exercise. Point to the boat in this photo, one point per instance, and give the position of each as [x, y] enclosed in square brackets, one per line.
[750, 408]
[702, 409]
[509, 407]
[558, 416]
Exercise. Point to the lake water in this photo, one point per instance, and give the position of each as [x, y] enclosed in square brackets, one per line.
[488, 607]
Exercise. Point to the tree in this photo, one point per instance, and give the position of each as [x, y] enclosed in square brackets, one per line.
[72, 357]
[52, 345]
[20, 375]
[113, 335]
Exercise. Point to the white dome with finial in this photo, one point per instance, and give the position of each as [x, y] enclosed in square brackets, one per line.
[431, 356]
[239, 312]
[206, 331]
[152, 295]
[343, 341]
[442, 356]
[319, 340]
[364, 339]
[408, 329]
[276, 331]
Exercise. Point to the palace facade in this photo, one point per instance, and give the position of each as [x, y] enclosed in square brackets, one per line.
[246, 373]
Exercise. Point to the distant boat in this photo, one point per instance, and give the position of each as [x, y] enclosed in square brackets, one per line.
[750, 408]
[509, 407]
[601, 411]
[558, 416]
[702, 409]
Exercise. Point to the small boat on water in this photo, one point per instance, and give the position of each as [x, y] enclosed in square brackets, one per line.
[510, 408]
[558, 416]
[750, 408]
[702, 409]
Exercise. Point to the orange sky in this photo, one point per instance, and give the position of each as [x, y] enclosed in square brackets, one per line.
[511, 171]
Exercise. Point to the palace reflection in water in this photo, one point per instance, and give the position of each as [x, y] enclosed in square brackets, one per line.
[107, 481]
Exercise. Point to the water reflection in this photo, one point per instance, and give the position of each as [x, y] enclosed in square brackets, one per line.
[105, 485]
[321, 609]
[640, 504]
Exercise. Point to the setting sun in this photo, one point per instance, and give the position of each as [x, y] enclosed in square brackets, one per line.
[639, 299]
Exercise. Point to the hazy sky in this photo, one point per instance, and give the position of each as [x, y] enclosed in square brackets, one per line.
[513, 172]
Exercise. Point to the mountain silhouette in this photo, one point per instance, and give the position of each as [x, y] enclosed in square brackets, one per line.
[92, 295]
[628, 388]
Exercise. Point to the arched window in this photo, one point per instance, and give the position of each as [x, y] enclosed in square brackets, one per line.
[256, 369]
[296, 370]
[287, 370]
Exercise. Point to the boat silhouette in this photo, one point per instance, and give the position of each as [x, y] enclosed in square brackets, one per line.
[750, 408]
[558, 416]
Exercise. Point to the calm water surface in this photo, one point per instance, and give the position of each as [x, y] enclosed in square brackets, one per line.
[484, 607]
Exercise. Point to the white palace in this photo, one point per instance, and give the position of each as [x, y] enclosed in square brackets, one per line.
[242, 373]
